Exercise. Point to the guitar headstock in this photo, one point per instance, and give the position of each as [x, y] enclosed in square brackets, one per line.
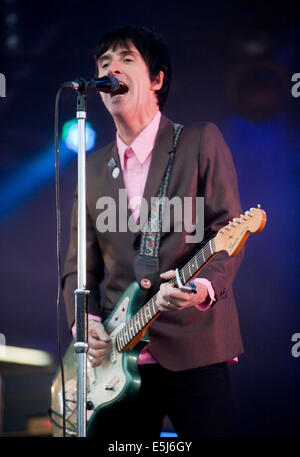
[233, 236]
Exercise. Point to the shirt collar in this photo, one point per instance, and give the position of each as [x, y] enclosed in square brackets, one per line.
[144, 142]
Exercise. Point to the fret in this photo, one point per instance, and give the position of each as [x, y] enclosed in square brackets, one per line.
[193, 267]
[141, 313]
[120, 335]
[153, 306]
[211, 250]
[131, 329]
[197, 267]
[213, 245]
[136, 322]
[146, 314]
[127, 333]
[183, 277]
[147, 311]
[120, 344]
[190, 269]
[126, 336]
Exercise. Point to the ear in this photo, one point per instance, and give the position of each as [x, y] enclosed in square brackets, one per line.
[157, 83]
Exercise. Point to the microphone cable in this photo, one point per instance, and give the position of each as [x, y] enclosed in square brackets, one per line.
[58, 253]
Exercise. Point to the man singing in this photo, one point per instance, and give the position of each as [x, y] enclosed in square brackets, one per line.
[183, 368]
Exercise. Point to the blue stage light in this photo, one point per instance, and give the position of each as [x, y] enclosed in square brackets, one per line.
[70, 135]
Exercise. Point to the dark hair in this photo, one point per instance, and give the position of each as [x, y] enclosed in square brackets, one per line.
[149, 45]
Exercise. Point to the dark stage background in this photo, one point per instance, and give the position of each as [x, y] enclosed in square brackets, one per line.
[232, 65]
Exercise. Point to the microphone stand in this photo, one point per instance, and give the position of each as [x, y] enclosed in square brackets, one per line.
[81, 293]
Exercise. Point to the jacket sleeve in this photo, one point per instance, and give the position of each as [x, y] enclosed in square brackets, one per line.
[94, 268]
[219, 187]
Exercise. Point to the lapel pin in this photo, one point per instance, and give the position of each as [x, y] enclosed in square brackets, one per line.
[112, 165]
[115, 172]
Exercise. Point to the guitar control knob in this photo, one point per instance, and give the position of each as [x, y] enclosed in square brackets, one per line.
[89, 405]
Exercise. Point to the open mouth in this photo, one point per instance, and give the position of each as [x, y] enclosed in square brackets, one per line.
[123, 89]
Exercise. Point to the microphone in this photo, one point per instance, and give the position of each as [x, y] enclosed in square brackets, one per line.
[106, 84]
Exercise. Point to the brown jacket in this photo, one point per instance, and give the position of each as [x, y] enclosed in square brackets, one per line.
[203, 166]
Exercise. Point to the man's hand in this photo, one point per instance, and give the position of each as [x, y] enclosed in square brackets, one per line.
[171, 298]
[98, 343]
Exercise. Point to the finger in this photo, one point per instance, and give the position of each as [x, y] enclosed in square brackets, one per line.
[97, 361]
[97, 331]
[96, 353]
[97, 344]
[99, 334]
[174, 295]
[168, 274]
[165, 307]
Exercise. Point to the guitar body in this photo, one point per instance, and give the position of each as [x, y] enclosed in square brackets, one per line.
[112, 383]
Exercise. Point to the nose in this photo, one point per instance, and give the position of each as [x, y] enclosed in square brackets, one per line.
[114, 68]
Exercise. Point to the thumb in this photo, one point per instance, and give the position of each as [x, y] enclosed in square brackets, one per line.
[168, 274]
[98, 331]
[103, 335]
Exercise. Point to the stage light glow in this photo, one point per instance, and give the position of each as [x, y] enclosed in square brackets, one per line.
[168, 434]
[24, 356]
[70, 135]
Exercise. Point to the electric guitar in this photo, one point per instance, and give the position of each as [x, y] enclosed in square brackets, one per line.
[117, 379]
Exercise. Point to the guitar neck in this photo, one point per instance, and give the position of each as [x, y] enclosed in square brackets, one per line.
[136, 327]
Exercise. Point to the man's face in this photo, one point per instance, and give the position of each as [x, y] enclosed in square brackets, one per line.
[128, 66]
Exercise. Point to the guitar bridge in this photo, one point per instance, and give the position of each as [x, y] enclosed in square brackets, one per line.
[112, 386]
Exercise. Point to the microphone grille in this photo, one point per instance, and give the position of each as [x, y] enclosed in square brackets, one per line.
[115, 83]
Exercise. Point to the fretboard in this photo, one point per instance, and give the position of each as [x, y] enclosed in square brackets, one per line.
[150, 311]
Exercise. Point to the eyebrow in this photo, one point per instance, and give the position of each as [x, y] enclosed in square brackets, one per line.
[123, 52]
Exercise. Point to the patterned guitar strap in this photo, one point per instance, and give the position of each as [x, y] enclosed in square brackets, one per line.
[146, 267]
